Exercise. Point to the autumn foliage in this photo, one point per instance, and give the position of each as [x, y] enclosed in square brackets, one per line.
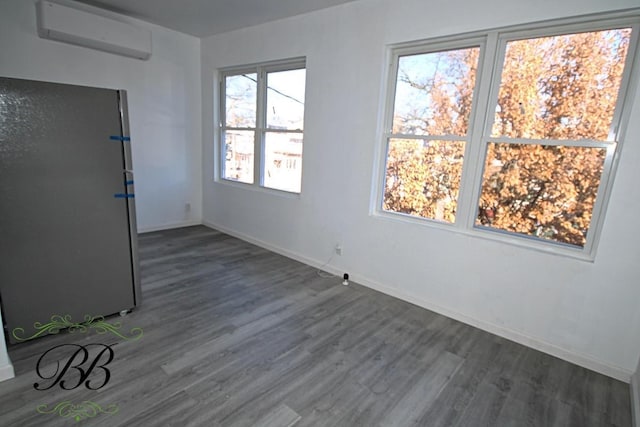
[544, 157]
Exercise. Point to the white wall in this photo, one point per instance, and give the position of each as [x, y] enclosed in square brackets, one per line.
[164, 105]
[581, 311]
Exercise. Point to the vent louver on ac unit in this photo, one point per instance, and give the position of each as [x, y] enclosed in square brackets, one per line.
[66, 24]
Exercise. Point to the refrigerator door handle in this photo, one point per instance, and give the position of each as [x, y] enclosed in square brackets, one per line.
[124, 129]
[130, 190]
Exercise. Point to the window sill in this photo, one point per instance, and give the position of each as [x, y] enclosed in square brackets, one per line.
[257, 188]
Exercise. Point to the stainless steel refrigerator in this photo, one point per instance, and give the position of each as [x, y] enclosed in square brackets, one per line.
[67, 207]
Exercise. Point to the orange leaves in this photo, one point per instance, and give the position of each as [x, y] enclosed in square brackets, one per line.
[545, 191]
[561, 87]
[423, 178]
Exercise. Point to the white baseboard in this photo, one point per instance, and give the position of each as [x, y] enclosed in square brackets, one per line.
[579, 359]
[6, 372]
[635, 398]
[169, 225]
[510, 334]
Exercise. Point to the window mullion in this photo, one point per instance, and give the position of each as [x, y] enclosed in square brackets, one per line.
[258, 165]
[475, 150]
[619, 121]
[222, 146]
[597, 216]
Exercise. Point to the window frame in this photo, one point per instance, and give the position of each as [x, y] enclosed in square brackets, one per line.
[485, 95]
[260, 130]
[418, 49]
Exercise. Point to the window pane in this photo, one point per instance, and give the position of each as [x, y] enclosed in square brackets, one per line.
[434, 92]
[283, 161]
[561, 87]
[285, 99]
[240, 101]
[423, 178]
[238, 164]
[541, 191]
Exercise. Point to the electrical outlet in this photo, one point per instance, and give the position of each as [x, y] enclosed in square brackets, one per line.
[338, 249]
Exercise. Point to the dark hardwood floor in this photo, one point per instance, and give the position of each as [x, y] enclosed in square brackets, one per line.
[235, 335]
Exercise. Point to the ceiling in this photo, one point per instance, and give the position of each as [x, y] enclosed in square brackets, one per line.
[203, 18]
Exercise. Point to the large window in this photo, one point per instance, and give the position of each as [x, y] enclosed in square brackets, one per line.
[261, 125]
[509, 134]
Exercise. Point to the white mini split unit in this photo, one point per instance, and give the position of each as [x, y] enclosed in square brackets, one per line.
[66, 24]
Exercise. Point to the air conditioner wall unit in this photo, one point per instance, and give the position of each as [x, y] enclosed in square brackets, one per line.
[66, 24]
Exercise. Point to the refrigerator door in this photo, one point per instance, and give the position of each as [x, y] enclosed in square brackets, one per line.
[65, 236]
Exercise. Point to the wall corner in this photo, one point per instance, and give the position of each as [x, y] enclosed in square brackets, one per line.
[634, 387]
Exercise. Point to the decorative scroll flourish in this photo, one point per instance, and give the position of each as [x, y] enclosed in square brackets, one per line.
[96, 323]
[79, 412]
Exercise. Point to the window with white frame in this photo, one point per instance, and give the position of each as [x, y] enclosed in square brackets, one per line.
[509, 134]
[261, 124]
[430, 130]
